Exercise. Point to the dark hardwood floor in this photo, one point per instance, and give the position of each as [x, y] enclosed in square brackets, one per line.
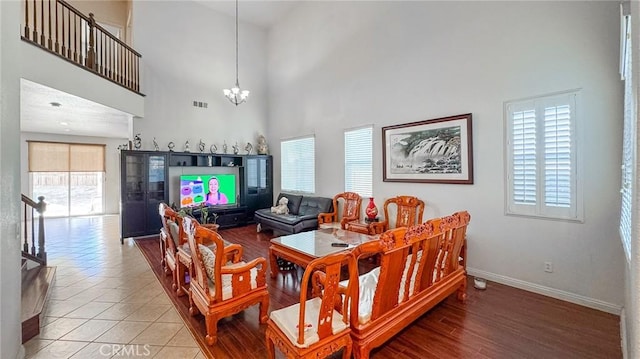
[499, 322]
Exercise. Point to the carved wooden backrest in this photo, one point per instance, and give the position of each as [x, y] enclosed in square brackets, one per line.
[406, 257]
[166, 215]
[197, 234]
[351, 203]
[323, 274]
[409, 211]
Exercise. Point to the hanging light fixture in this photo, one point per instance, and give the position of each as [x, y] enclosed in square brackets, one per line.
[235, 94]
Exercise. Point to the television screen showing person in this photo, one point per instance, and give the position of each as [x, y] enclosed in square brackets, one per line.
[215, 196]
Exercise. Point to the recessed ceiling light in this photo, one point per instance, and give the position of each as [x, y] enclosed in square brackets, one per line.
[64, 123]
[55, 104]
[66, 130]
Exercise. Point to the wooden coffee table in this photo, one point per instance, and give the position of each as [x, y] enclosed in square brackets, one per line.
[302, 248]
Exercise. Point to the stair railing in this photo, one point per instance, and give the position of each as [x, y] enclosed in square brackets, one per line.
[32, 207]
[56, 26]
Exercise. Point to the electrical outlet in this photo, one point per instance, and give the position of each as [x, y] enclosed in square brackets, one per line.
[548, 267]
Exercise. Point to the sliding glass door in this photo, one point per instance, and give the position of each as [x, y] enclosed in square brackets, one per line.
[70, 193]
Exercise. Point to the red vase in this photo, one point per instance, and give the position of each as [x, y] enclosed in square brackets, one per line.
[372, 210]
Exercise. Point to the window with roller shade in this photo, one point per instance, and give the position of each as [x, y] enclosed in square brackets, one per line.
[297, 165]
[541, 143]
[69, 175]
[358, 161]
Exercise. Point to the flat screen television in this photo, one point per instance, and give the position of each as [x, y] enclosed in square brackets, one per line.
[211, 189]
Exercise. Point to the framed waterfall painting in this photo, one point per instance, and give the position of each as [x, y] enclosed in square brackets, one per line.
[431, 151]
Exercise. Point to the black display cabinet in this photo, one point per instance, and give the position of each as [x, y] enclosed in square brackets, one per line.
[144, 184]
[257, 189]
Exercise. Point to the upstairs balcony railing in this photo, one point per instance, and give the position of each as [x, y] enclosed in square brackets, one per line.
[58, 27]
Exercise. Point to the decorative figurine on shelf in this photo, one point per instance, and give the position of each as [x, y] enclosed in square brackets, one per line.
[155, 145]
[137, 141]
[201, 146]
[213, 149]
[224, 147]
[186, 146]
[235, 148]
[171, 145]
[262, 147]
[248, 148]
[371, 210]
[123, 147]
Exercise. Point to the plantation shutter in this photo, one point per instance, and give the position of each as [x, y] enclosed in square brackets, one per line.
[630, 135]
[557, 156]
[541, 146]
[524, 157]
[358, 161]
[297, 166]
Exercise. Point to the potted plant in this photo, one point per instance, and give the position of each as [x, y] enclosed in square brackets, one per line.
[209, 219]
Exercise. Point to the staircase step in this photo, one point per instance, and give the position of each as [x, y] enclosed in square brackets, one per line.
[36, 285]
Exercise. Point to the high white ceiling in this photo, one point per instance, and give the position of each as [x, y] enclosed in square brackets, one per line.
[75, 115]
[263, 13]
[80, 117]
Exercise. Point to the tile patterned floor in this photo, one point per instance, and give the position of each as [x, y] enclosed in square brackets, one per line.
[106, 301]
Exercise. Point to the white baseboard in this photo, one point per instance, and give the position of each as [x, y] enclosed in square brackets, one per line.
[549, 292]
[21, 352]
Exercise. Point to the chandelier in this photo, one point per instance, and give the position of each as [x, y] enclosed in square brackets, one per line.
[235, 94]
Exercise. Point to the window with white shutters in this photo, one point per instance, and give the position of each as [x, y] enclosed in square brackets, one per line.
[541, 157]
[297, 166]
[358, 161]
[630, 136]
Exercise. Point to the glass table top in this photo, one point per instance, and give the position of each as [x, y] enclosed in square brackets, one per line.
[318, 243]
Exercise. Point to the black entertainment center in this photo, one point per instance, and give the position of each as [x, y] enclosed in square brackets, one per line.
[151, 177]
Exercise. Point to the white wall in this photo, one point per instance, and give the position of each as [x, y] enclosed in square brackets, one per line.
[53, 71]
[112, 163]
[338, 65]
[189, 55]
[10, 321]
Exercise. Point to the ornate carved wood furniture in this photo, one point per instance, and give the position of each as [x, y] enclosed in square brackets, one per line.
[419, 267]
[318, 325]
[171, 237]
[351, 202]
[219, 289]
[409, 211]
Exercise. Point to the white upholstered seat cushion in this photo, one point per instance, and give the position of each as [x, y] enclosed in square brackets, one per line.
[227, 288]
[287, 320]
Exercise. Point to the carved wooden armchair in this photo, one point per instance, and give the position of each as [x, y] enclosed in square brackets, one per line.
[319, 325]
[171, 237]
[351, 202]
[218, 288]
[409, 211]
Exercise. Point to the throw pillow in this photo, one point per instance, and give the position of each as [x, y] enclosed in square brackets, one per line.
[209, 259]
[175, 232]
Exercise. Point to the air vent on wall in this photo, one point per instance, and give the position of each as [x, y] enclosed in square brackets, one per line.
[200, 104]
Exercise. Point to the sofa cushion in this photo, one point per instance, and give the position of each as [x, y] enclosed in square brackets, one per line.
[313, 206]
[294, 202]
[367, 284]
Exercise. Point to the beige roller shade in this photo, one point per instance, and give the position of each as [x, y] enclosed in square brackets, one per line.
[66, 157]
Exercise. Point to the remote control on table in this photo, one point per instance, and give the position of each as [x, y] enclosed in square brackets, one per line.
[339, 244]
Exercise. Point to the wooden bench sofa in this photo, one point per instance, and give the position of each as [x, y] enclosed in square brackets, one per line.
[419, 267]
